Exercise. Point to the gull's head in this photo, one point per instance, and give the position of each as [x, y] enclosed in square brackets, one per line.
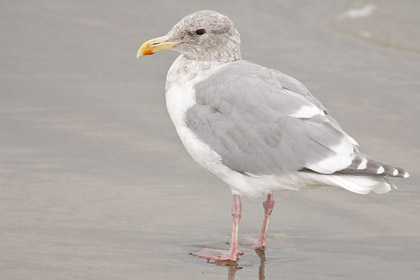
[204, 35]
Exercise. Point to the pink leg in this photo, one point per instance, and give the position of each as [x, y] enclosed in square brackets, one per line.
[268, 208]
[234, 252]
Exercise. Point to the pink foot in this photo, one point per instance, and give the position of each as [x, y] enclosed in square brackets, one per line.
[219, 255]
[256, 243]
[234, 252]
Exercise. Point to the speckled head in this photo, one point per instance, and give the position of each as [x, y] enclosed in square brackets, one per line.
[205, 35]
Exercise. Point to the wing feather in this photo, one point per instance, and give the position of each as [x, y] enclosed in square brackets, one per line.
[257, 125]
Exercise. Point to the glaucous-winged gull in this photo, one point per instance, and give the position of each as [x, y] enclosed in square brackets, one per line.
[258, 130]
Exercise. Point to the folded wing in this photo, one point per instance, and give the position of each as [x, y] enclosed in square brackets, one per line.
[261, 121]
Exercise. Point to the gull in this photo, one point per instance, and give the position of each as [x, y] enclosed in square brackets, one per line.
[257, 129]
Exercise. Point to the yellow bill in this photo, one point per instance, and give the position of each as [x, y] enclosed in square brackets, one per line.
[155, 45]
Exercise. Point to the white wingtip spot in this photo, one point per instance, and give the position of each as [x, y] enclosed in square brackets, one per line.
[395, 172]
[306, 112]
[380, 170]
[406, 175]
[362, 165]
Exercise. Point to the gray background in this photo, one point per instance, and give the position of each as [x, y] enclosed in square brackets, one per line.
[95, 184]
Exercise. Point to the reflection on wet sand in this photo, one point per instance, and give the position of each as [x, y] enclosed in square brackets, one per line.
[233, 266]
[261, 254]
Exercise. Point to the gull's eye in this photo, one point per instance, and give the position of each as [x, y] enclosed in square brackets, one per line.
[200, 31]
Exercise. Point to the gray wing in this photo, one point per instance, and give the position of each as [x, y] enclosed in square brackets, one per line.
[263, 122]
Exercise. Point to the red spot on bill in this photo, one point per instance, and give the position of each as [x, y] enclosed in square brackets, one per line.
[147, 52]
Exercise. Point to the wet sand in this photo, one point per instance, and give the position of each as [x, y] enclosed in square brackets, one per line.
[95, 184]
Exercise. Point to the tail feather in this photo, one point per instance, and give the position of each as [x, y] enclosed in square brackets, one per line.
[364, 165]
[354, 183]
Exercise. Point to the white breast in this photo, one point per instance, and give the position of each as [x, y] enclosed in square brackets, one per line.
[178, 101]
[180, 96]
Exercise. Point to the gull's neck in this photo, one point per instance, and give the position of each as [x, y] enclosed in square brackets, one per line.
[184, 70]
